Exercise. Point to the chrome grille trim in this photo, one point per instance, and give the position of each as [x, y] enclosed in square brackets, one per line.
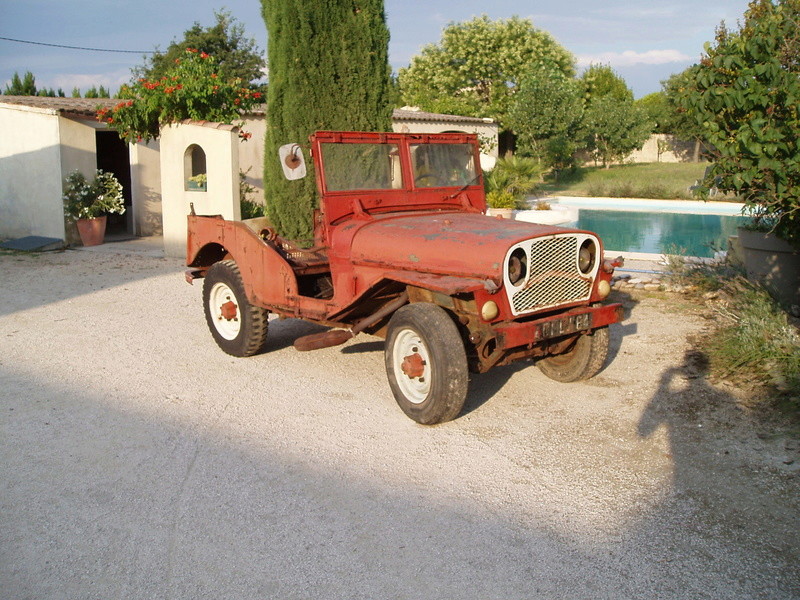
[553, 277]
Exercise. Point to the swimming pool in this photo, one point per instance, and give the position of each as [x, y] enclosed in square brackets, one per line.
[690, 228]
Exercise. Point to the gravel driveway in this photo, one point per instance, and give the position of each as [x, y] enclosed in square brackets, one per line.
[139, 461]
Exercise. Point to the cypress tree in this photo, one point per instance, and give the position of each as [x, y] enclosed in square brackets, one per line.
[328, 70]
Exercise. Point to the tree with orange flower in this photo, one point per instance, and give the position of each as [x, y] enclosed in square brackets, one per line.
[192, 88]
[237, 55]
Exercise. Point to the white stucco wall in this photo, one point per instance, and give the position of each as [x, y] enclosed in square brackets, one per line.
[220, 144]
[30, 173]
[251, 155]
[78, 147]
[146, 188]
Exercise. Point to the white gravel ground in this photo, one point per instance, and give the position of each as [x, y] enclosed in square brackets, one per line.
[139, 461]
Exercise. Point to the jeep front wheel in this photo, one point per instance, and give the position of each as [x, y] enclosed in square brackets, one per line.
[583, 360]
[426, 363]
[238, 327]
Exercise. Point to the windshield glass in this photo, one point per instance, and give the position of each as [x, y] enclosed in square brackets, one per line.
[361, 167]
[443, 165]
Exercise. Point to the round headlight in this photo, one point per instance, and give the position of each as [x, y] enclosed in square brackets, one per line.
[489, 310]
[517, 266]
[587, 256]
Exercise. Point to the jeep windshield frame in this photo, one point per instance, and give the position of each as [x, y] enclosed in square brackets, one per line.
[372, 173]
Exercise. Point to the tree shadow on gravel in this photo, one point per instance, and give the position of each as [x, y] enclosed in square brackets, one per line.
[37, 279]
[727, 467]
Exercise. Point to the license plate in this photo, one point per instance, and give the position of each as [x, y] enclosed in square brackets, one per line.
[564, 326]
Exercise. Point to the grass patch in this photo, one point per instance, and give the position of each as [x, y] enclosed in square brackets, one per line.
[646, 180]
[754, 342]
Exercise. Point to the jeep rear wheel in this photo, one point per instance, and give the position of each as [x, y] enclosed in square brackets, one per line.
[583, 360]
[426, 363]
[238, 327]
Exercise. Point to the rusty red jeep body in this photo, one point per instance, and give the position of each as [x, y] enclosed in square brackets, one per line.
[403, 251]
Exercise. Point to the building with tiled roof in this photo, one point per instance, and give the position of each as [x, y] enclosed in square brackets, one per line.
[43, 139]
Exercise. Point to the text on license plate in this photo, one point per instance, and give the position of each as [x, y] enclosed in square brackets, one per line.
[564, 326]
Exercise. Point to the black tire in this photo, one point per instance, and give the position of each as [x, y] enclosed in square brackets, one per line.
[238, 327]
[584, 360]
[424, 338]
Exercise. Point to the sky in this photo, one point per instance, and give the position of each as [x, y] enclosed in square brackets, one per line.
[644, 42]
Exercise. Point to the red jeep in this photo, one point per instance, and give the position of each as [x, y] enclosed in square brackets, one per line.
[404, 251]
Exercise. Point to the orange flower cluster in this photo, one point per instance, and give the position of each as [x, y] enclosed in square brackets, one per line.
[192, 89]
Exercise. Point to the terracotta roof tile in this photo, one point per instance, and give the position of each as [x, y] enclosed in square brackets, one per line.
[78, 106]
[88, 107]
[420, 115]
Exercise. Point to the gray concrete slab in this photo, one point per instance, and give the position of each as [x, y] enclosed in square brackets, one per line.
[33, 243]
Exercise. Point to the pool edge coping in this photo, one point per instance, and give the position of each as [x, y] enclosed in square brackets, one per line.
[596, 203]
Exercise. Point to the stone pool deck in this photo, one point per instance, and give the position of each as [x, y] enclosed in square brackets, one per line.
[650, 272]
[640, 272]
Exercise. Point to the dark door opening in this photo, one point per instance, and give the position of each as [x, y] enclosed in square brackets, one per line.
[113, 157]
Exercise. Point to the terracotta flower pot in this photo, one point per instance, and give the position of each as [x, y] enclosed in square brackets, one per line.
[92, 231]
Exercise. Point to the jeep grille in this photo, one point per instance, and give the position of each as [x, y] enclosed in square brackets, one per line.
[553, 277]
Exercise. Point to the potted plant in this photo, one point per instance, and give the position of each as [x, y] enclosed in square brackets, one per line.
[507, 185]
[197, 182]
[501, 203]
[86, 203]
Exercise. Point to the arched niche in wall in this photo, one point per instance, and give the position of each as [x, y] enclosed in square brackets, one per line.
[194, 169]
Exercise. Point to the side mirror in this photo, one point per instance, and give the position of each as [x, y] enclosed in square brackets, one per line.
[292, 161]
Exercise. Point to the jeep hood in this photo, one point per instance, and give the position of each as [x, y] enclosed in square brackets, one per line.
[464, 244]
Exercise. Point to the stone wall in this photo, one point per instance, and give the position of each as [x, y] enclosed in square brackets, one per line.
[662, 147]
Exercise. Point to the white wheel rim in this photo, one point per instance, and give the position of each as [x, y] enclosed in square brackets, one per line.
[220, 296]
[407, 344]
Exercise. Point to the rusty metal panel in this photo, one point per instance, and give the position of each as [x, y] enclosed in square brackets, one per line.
[438, 283]
[511, 335]
[460, 244]
[268, 279]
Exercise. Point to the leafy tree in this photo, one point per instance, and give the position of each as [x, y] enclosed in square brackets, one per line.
[76, 92]
[614, 128]
[745, 93]
[658, 111]
[94, 92]
[600, 81]
[338, 77]
[191, 89]
[237, 56]
[680, 122]
[546, 113]
[478, 65]
[22, 87]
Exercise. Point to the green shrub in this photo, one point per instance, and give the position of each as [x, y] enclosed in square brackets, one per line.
[250, 208]
[754, 342]
[501, 199]
[516, 176]
[84, 199]
[757, 341]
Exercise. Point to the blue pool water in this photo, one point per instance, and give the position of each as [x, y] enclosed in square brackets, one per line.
[660, 233]
[659, 227]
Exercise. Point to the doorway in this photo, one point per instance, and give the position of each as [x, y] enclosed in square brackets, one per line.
[113, 157]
